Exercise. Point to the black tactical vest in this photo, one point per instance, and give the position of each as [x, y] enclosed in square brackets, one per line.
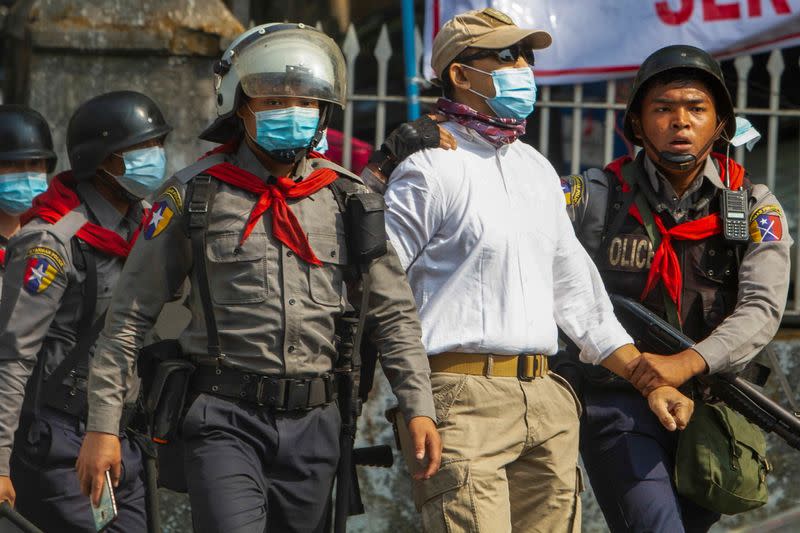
[709, 266]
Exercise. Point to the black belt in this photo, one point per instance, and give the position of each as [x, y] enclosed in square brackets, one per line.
[280, 394]
[73, 403]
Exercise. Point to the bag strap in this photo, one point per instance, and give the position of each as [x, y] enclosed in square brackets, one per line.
[88, 328]
[199, 199]
[619, 203]
[631, 173]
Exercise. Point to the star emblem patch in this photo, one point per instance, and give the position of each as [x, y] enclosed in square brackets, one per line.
[159, 218]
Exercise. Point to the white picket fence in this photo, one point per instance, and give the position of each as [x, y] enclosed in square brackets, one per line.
[764, 168]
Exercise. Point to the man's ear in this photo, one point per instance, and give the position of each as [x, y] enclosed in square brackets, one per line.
[458, 77]
[636, 124]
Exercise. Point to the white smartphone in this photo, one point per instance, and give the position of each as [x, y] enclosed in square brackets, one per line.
[106, 512]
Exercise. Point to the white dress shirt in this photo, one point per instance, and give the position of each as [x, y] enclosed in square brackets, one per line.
[491, 255]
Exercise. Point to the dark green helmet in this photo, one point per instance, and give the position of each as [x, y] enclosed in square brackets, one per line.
[682, 56]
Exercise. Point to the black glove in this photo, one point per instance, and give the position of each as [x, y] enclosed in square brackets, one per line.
[408, 138]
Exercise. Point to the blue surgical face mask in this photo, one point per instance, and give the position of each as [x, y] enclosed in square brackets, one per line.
[514, 89]
[746, 134]
[287, 128]
[145, 169]
[18, 189]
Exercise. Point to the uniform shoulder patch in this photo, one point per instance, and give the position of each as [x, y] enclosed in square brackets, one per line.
[174, 194]
[765, 223]
[43, 266]
[158, 219]
[572, 187]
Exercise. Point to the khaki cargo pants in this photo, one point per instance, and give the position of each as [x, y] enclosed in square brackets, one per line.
[510, 456]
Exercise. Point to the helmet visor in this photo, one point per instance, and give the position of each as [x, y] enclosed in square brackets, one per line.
[301, 63]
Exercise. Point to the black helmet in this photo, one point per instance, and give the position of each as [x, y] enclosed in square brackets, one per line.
[25, 135]
[682, 56]
[108, 123]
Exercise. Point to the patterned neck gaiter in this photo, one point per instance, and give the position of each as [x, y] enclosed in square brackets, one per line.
[497, 131]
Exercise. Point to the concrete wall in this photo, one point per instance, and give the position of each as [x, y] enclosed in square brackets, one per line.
[165, 49]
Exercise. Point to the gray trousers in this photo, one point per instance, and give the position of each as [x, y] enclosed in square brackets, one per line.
[250, 470]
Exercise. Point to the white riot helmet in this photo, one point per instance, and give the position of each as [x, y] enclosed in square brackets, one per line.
[277, 59]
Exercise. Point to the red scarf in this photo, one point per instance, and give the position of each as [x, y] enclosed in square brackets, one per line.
[665, 261]
[2, 257]
[58, 200]
[285, 226]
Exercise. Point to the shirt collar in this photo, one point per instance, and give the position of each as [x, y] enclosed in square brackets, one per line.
[664, 189]
[105, 213]
[468, 134]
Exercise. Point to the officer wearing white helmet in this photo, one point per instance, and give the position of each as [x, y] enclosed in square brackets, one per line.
[260, 227]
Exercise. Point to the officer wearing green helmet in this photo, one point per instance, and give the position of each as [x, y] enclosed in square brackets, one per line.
[259, 227]
[658, 231]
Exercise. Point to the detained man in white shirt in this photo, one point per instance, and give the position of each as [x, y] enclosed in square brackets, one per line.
[496, 268]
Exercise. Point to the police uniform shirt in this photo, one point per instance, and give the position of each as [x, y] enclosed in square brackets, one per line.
[42, 300]
[763, 273]
[275, 313]
[491, 256]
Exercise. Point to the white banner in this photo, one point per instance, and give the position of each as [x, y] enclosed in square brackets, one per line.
[603, 39]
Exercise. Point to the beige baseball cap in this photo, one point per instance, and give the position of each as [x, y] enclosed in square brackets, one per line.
[487, 28]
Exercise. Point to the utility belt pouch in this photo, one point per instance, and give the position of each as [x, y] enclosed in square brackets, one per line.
[165, 375]
[366, 228]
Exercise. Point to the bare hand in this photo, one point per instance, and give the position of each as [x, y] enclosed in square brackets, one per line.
[446, 139]
[672, 408]
[651, 371]
[99, 452]
[7, 492]
[426, 444]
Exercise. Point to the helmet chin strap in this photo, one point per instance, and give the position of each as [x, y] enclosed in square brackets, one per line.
[116, 187]
[682, 163]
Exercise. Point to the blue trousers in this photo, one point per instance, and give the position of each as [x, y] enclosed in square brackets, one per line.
[44, 477]
[629, 458]
[250, 470]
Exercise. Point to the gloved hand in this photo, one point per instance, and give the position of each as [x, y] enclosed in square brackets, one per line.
[409, 138]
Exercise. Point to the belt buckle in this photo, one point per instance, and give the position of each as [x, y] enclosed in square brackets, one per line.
[297, 394]
[521, 360]
[270, 392]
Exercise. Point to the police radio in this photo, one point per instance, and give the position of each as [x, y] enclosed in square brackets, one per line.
[734, 215]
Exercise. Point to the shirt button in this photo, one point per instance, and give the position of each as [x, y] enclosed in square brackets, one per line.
[333, 253]
[290, 349]
[291, 301]
[289, 253]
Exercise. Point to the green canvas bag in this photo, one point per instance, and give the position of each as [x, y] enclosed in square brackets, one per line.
[721, 461]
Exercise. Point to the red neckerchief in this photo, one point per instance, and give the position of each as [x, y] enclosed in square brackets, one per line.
[665, 261]
[59, 199]
[285, 226]
[2, 257]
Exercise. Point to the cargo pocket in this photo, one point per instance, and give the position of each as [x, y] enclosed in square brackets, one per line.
[237, 274]
[564, 383]
[446, 390]
[446, 501]
[325, 281]
[575, 526]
